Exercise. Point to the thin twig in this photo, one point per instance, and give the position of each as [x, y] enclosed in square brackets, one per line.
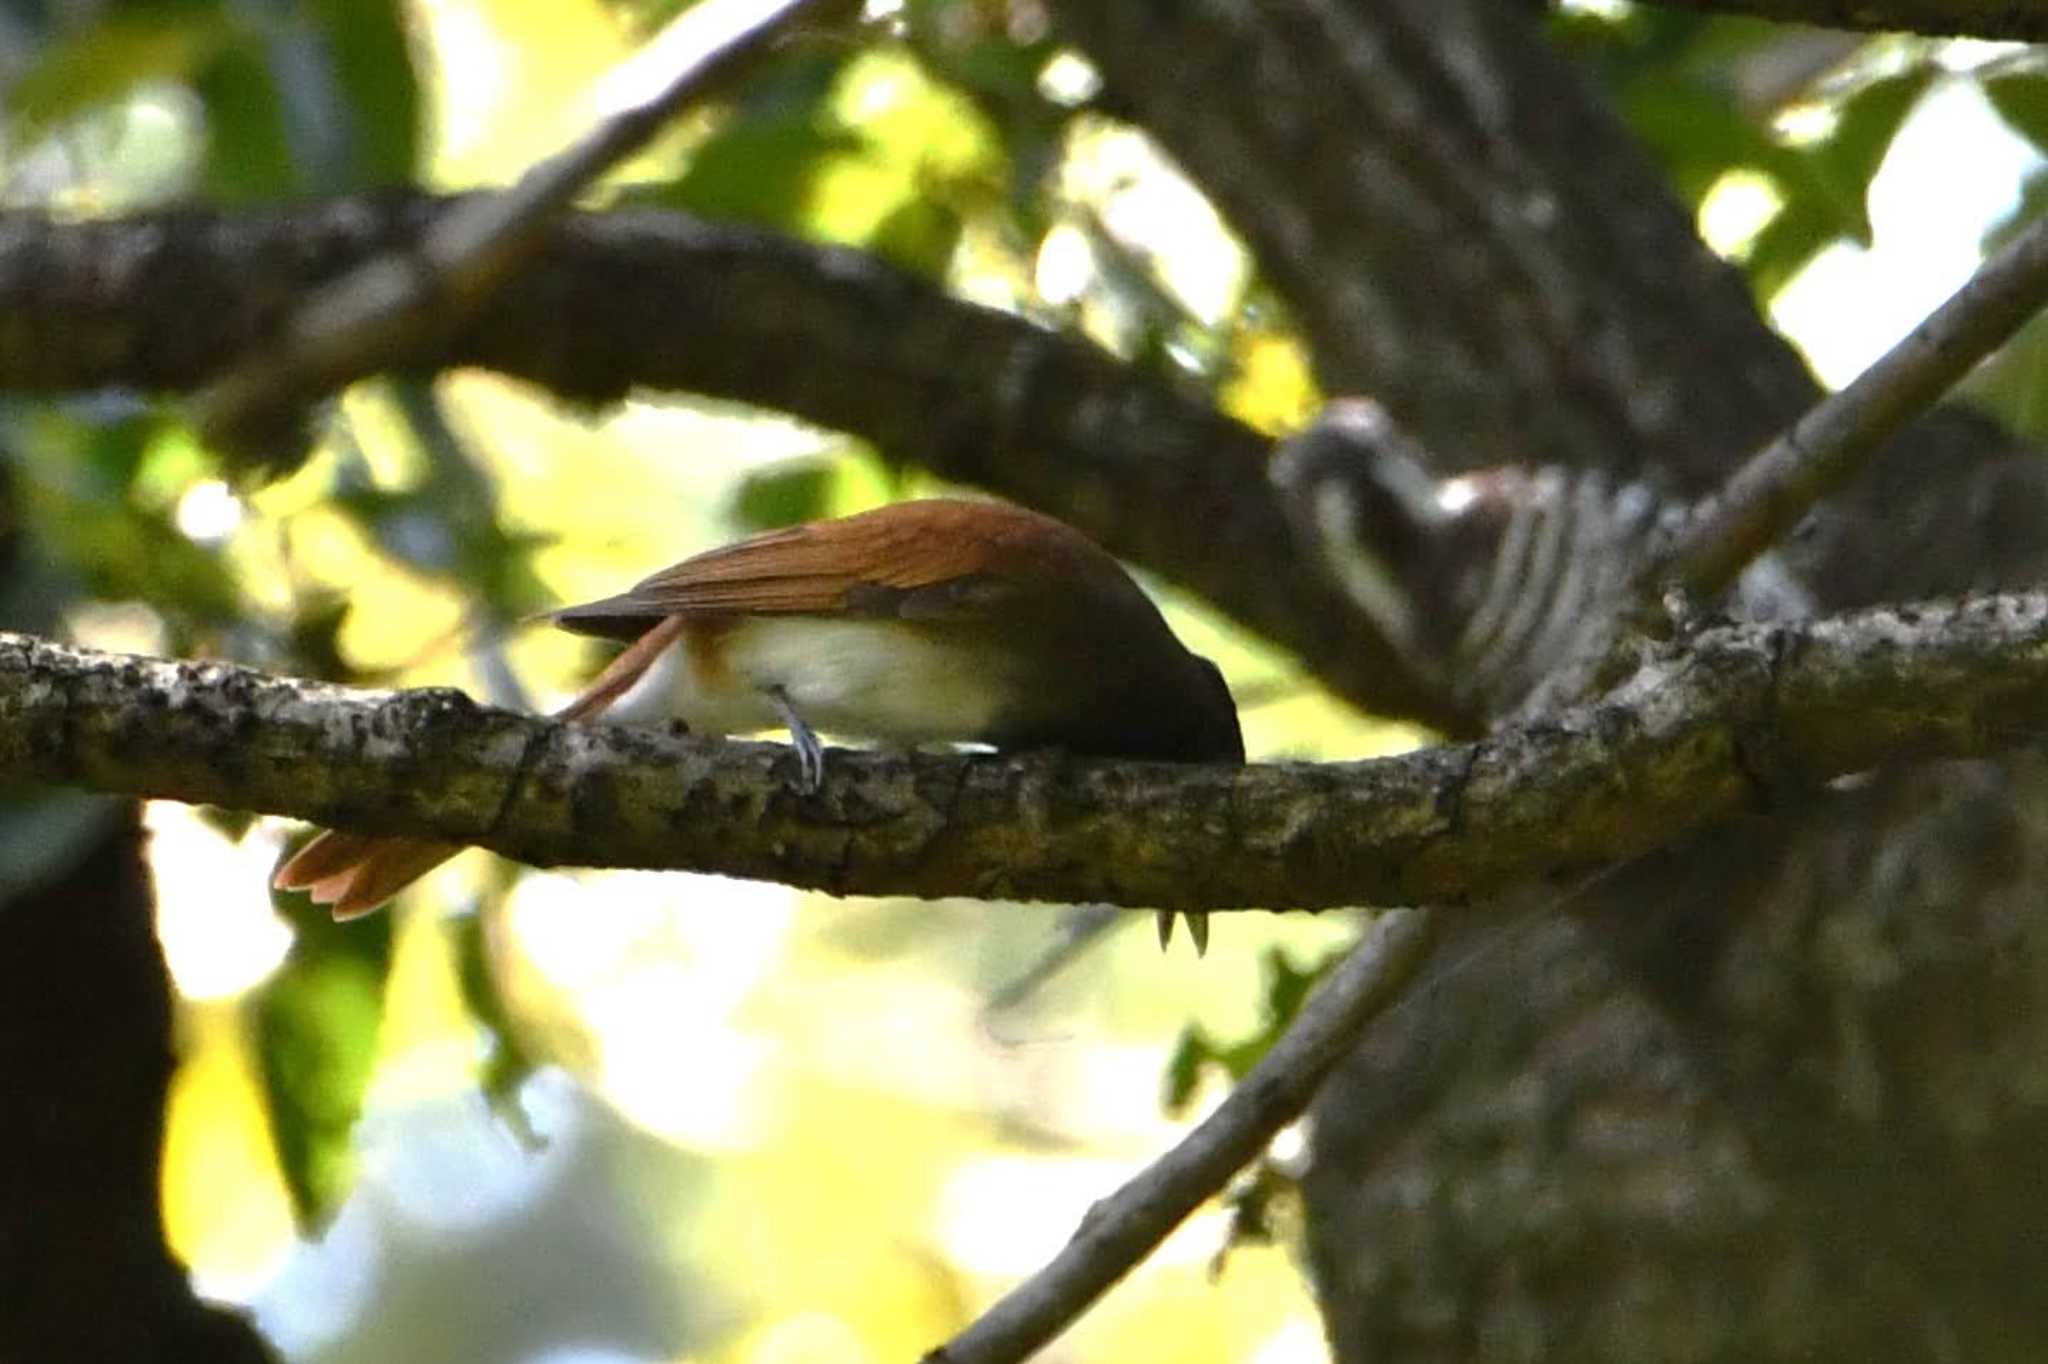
[1081, 928]
[1122, 1229]
[398, 303]
[1826, 447]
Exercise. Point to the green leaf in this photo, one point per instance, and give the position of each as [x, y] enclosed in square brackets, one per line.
[1285, 987]
[1865, 125]
[363, 78]
[758, 165]
[919, 235]
[783, 494]
[1698, 134]
[507, 1063]
[761, 170]
[2021, 99]
[230, 824]
[77, 488]
[248, 148]
[1184, 1069]
[2033, 202]
[100, 63]
[374, 70]
[2013, 383]
[1785, 244]
[316, 1023]
[314, 634]
[1258, 1203]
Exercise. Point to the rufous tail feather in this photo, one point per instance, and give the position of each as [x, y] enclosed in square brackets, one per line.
[356, 874]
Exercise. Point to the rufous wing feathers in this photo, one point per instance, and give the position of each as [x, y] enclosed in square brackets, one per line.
[939, 554]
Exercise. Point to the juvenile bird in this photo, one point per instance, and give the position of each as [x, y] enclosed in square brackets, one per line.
[942, 620]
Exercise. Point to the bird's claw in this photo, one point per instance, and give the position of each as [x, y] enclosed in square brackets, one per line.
[1198, 929]
[810, 754]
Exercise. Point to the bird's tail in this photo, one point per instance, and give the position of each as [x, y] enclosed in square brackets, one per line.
[356, 874]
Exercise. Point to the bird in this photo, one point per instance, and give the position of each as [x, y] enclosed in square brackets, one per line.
[935, 620]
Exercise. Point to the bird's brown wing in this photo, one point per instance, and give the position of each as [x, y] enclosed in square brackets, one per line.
[941, 557]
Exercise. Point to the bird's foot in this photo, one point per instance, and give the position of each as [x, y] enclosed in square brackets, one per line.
[810, 754]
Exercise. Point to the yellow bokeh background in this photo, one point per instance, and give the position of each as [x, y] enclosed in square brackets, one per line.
[863, 1157]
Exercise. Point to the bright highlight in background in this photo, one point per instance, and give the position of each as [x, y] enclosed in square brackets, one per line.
[220, 934]
[209, 512]
[1953, 169]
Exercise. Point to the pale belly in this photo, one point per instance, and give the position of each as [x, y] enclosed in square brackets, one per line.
[861, 679]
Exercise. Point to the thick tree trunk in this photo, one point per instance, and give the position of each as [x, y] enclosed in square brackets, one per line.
[1775, 1093]
[85, 1058]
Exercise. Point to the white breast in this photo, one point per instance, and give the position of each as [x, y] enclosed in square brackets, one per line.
[856, 678]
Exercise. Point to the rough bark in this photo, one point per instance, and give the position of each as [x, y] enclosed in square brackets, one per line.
[1773, 1092]
[1735, 718]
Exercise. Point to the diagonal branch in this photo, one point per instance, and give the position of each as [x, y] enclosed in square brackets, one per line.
[382, 311]
[1729, 722]
[1123, 1228]
[1827, 446]
[2014, 19]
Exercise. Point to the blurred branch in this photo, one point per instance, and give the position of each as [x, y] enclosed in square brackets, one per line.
[387, 308]
[1730, 721]
[644, 298]
[1943, 18]
[1080, 929]
[1827, 446]
[1123, 1228]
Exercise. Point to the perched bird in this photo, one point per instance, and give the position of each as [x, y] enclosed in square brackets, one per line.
[940, 620]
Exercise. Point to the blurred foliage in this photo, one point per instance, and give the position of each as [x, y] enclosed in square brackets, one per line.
[507, 1063]
[296, 96]
[1265, 1208]
[1813, 113]
[97, 485]
[2011, 383]
[783, 494]
[1285, 987]
[1264, 1198]
[315, 1023]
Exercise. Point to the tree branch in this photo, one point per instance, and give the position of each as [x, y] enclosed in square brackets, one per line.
[2020, 19]
[1827, 446]
[386, 308]
[1730, 721]
[1123, 1228]
[644, 298]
